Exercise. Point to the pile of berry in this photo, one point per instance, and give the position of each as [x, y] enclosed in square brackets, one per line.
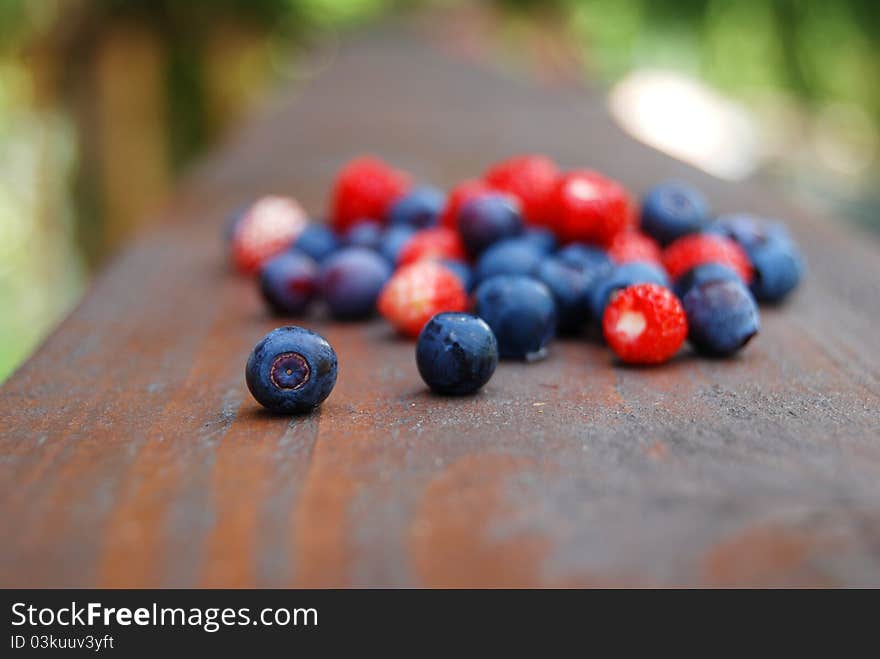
[532, 251]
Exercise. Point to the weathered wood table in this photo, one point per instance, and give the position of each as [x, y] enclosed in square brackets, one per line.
[132, 454]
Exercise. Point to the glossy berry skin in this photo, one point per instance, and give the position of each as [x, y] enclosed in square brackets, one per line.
[701, 274]
[488, 219]
[291, 370]
[644, 324]
[591, 208]
[456, 354]
[461, 270]
[432, 244]
[459, 196]
[569, 285]
[541, 238]
[521, 312]
[366, 233]
[350, 282]
[634, 246]
[587, 257]
[699, 248]
[267, 228]
[514, 256]
[722, 317]
[672, 210]
[531, 179]
[419, 208]
[317, 240]
[418, 291]
[619, 277]
[289, 282]
[393, 240]
[365, 187]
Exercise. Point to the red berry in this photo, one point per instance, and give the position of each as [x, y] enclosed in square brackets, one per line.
[459, 196]
[698, 248]
[432, 244]
[644, 324]
[364, 189]
[265, 229]
[532, 180]
[634, 246]
[417, 292]
[591, 208]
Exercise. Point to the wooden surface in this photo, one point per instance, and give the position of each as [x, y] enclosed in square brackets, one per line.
[132, 455]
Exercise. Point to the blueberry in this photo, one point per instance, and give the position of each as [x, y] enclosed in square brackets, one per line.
[568, 284]
[748, 230]
[617, 277]
[543, 239]
[393, 241]
[291, 370]
[365, 233]
[318, 241]
[587, 257]
[778, 268]
[419, 208]
[514, 256]
[351, 280]
[521, 312]
[456, 353]
[674, 209]
[462, 270]
[289, 282]
[703, 273]
[486, 220]
[722, 317]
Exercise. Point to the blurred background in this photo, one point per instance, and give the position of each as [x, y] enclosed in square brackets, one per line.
[103, 103]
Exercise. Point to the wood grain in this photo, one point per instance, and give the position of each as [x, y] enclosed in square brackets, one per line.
[132, 454]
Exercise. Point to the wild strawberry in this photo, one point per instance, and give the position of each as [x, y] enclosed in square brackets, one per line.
[532, 180]
[699, 248]
[644, 324]
[634, 246]
[591, 208]
[264, 230]
[458, 197]
[432, 244]
[365, 188]
[417, 292]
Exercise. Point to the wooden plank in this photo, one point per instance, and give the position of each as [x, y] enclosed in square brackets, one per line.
[132, 454]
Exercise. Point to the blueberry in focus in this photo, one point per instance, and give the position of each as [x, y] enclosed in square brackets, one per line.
[568, 284]
[722, 317]
[289, 282]
[487, 219]
[291, 370]
[521, 312]
[318, 241]
[703, 273]
[393, 240]
[366, 233]
[674, 209]
[350, 282]
[514, 256]
[618, 277]
[456, 353]
[420, 208]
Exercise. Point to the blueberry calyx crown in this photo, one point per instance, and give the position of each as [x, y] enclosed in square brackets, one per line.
[290, 370]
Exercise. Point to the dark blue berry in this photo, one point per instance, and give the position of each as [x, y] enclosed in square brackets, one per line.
[456, 353]
[617, 277]
[543, 239]
[587, 257]
[748, 230]
[462, 270]
[703, 273]
[351, 280]
[486, 220]
[393, 240]
[778, 268]
[521, 312]
[722, 317]
[365, 233]
[419, 208]
[289, 282]
[514, 256]
[291, 370]
[672, 210]
[318, 241]
[568, 284]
